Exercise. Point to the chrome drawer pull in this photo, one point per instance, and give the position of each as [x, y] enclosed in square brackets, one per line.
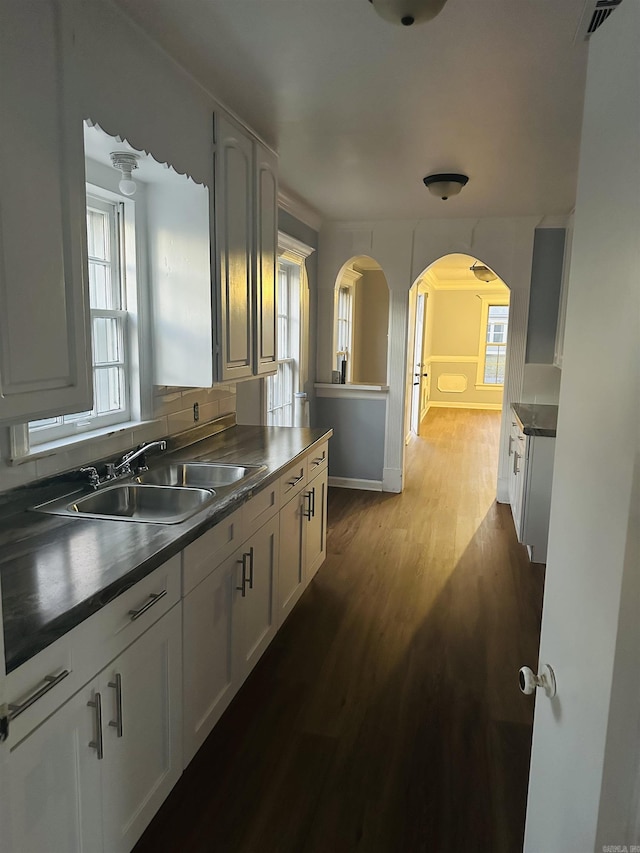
[307, 511]
[295, 480]
[97, 743]
[50, 683]
[155, 596]
[245, 580]
[318, 460]
[117, 686]
[516, 458]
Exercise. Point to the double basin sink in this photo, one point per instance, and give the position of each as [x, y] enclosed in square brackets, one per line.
[165, 495]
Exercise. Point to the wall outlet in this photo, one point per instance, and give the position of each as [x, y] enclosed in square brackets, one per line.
[196, 412]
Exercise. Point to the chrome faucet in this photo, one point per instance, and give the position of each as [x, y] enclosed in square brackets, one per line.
[123, 468]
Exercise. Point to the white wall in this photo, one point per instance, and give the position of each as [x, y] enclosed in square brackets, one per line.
[404, 250]
[583, 790]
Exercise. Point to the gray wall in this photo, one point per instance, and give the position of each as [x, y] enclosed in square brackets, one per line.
[544, 296]
[357, 447]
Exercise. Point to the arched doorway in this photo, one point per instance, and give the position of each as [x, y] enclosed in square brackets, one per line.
[457, 347]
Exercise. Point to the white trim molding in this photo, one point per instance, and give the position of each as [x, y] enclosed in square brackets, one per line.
[299, 208]
[446, 404]
[292, 249]
[392, 480]
[351, 392]
[354, 483]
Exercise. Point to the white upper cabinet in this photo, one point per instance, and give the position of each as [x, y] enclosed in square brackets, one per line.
[45, 361]
[266, 258]
[234, 224]
[220, 326]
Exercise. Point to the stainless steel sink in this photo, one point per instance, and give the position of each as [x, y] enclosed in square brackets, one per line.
[135, 502]
[206, 475]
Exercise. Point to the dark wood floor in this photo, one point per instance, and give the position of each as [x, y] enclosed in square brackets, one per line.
[385, 717]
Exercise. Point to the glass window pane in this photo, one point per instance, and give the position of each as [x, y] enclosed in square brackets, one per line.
[107, 340]
[100, 287]
[98, 235]
[109, 390]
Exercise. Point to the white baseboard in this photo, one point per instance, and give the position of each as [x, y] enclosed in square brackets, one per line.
[440, 404]
[353, 483]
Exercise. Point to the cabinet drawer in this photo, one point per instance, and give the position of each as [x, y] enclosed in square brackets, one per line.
[109, 631]
[318, 459]
[260, 508]
[293, 480]
[202, 556]
[41, 685]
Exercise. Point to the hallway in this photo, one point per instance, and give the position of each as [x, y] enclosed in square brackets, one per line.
[386, 716]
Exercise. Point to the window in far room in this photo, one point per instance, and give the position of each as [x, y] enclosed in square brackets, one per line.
[493, 346]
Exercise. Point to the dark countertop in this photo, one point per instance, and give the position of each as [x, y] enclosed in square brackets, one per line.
[536, 419]
[57, 571]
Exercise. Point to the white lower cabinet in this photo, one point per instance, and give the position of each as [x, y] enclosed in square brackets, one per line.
[530, 481]
[94, 773]
[303, 532]
[229, 620]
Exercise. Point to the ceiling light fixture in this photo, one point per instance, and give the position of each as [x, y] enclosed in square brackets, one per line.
[445, 184]
[482, 273]
[125, 162]
[407, 12]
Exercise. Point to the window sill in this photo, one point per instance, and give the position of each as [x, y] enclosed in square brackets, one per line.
[126, 432]
[351, 390]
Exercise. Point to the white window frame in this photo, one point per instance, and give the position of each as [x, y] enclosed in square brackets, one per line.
[294, 253]
[487, 302]
[137, 340]
[347, 281]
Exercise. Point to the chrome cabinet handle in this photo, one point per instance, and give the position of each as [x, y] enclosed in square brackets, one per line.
[50, 682]
[117, 686]
[516, 457]
[250, 556]
[242, 588]
[313, 502]
[295, 480]
[97, 743]
[307, 512]
[318, 460]
[510, 445]
[153, 598]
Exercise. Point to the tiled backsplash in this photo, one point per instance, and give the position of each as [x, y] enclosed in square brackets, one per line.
[173, 413]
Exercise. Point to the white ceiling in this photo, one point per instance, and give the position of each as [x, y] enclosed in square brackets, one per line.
[361, 110]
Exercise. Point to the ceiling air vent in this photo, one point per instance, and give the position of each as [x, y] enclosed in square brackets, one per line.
[594, 15]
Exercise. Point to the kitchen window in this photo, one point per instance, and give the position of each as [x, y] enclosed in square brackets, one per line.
[282, 387]
[110, 321]
[292, 301]
[494, 328]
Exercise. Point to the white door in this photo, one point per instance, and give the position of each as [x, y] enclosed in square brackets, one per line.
[583, 790]
[291, 565]
[142, 730]
[316, 525]
[209, 677]
[54, 791]
[418, 377]
[256, 610]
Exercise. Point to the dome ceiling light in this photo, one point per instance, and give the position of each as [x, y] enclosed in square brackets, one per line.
[483, 273]
[407, 12]
[445, 184]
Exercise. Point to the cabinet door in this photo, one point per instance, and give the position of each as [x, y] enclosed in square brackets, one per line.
[234, 222]
[45, 356]
[519, 473]
[292, 554]
[142, 727]
[54, 797]
[316, 525]
[266, 260]
[209, 676]
[256, 610]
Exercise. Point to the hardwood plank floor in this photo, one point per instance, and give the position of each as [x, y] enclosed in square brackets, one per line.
[386, 716]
